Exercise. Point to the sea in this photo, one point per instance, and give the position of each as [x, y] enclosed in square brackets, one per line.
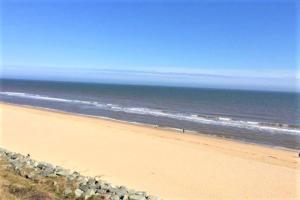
[267, 118]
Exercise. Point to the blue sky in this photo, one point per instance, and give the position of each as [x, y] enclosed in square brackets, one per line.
[242, 44]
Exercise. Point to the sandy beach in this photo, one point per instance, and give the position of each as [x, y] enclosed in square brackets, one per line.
[165, 163]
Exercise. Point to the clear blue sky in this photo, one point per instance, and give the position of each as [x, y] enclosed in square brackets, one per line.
[231, 44]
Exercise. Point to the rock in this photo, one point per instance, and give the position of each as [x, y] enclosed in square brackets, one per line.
[93, 186]
[78, 193]
[125, 197]
[141, 193]
[112, 190]
[48, 172]
[91, 181]
[105, 186]
[152, 197]
[73, 176]
[121, 192]
[131, 192]
[137, 197]
[16, 165]
[68, 191]
[115, 197]
[43, 166]
[97, 178]
[87, 186]
[82, 180]
[2, 150]
[16, 156]
[101, 191]
[83, 187]
[76, 173]
[89, 193]
[62, 172]
[51, 175]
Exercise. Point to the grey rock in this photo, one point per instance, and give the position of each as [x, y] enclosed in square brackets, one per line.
[47, 172]
[78, 193]
[62, 172]
[71, 177]
[91, 181]
[101, 191]
[82, 180]
[43, 166]
[2, 150]
[68, 191]
[87, 186]
[152, 197]
[121, 192]
[125, 197]
[88, 193]
[34, 163]
[141, 193]
[16, 165]
[93, 186]
[83, 187]
[51, 175]
[16, 156]
[137, 197]
[131, 191]
[105, 186]
[74, 175]
[115, 197]
[112, 190]
[97, 178]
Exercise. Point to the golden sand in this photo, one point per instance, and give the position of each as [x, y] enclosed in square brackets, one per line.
[162, 162]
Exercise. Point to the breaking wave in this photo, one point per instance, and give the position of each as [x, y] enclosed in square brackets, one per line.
[196, 118]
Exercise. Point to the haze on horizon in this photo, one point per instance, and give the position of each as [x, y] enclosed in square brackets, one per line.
[218, 44]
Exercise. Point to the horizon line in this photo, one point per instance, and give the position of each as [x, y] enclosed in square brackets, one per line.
[151, 85]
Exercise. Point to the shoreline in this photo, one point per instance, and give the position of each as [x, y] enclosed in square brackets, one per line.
[171, 129]
[173, 166]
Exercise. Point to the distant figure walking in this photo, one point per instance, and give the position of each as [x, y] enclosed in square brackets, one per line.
[183, 130]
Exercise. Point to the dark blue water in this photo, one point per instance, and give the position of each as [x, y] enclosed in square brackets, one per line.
[270, 118]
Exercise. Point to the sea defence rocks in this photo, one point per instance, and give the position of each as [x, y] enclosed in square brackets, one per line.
[77, 186]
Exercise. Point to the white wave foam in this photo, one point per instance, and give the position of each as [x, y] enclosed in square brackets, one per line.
[224, 118]
[223, 121]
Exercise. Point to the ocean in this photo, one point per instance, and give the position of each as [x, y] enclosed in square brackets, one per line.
[268, 118]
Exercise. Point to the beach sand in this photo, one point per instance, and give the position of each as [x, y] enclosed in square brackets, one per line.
[166, 163]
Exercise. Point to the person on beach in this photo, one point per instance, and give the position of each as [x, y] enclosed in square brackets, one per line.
[183, 130]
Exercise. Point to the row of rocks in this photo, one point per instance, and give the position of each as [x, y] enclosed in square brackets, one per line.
[84, 187]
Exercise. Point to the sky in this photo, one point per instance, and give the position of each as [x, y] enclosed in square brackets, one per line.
[242, 44]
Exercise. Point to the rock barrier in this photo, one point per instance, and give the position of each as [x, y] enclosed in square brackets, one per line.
[82, 187]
